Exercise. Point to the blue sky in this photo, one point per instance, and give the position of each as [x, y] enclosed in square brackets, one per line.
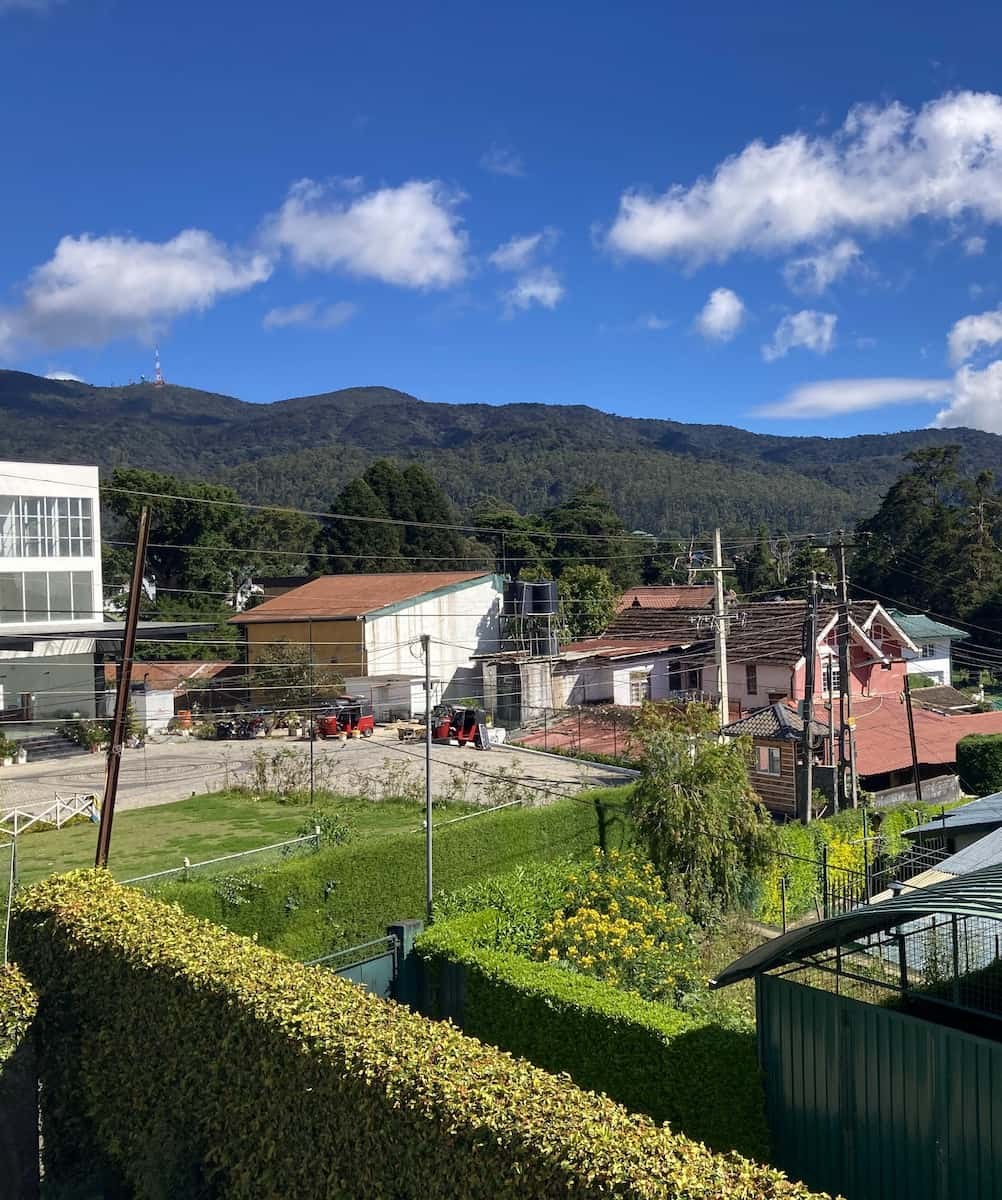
[783, 217]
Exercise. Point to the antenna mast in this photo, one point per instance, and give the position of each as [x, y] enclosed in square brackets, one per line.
[158, 375]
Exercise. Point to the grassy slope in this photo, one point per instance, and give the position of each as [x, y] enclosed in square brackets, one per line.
[153, 839]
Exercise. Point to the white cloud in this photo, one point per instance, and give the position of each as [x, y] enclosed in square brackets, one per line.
[64, 376]
[808, 328]
[502, 160]
[310, 313]
[837, 396]
[976, 401]
[721, 316]
[974, 246]
[540, 286]
[815, 273]
[535, 283]
[517, 253]
[410, 235]
[970, 334]
[884, 167]
[653, 322]
[94, 289]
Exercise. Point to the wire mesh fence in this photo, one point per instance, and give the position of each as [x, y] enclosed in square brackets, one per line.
[257, 857]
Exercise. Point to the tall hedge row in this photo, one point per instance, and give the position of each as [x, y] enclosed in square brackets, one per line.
[979, 763]
[17, 1008]
[348, 894]
[182, 1060]
[701, 1078]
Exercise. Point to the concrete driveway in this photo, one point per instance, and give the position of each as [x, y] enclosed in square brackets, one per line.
[173, 768]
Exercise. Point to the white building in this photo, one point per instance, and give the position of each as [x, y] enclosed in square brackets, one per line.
[934, 641]
[369, 628]
[50, 581]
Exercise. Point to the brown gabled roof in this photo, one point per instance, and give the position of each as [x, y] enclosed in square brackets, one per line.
[353, 595]
[770, 630]
[776, 722]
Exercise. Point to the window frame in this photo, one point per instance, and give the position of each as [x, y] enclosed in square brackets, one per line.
[770, 755]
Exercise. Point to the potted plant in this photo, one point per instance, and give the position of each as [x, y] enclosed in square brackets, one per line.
[8, 749]
[294, 724]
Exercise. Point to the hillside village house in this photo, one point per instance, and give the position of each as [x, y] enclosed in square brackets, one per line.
[934, 656]
[369, 627]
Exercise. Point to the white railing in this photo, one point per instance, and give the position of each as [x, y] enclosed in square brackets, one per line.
[58, 813]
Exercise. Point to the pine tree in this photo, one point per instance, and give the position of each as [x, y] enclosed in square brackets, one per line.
[430, 549]
[362, 546]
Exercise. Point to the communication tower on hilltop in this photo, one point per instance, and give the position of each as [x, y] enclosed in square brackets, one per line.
[158, 375]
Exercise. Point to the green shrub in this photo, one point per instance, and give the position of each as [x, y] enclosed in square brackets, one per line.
[194, 1063]
[349, 894]
[17, 1008]
[979, 763]
[701, 1078]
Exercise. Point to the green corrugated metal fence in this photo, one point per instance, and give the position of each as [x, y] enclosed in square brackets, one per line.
[875, 1104]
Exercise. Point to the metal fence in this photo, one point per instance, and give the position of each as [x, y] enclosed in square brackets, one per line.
[8, 886]
[259, 856]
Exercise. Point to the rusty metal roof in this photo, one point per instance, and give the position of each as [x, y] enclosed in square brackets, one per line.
[354, 595]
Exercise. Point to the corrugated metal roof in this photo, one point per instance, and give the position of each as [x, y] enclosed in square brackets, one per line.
[600, 647]
[985, 852]
[978, 894]
[921, 628]
[353, 595]
[986, 811]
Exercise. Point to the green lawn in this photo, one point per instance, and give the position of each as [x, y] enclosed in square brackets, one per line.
[156, 838]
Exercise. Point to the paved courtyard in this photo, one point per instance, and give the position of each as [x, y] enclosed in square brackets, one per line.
[172, 768]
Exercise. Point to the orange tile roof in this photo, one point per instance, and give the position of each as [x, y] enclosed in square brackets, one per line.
[169, 676]
[352, 595]
[882, 734]
[697, 595]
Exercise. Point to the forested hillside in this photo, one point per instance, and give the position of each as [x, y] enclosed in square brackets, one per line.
[662, 475]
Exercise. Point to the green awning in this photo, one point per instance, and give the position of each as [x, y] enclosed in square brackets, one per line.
[978, 894]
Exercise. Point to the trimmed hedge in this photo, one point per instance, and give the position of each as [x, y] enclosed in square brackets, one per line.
[17, 1009]
[979, 763]
[701, 1078]
[190, 1062]
[344, 895]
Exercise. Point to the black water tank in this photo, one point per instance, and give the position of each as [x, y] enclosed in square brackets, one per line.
[544, 598]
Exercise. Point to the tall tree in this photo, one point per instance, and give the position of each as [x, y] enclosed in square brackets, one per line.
[587, 599]
[366, 546]
[706, 830]
[756, 568]
[430, 548]
[588, 529]
[523, 548]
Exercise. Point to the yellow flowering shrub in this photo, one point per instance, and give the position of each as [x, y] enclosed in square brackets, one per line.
[618, 925]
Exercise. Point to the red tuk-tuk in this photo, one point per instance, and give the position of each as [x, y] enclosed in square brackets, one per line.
[462, 725]
[351, 715]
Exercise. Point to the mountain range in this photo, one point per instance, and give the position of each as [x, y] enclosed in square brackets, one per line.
[666, 476]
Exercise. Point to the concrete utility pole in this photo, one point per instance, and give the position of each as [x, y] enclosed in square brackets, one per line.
[810, 657]
[426, 647]
[720, 627]
[846, 750]
[124, 687]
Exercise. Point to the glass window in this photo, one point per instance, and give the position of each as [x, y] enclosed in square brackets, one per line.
[60, 600]
[640, 687]
[929, 650]
[769, 760]
[11, 598]
[832, 675]
[83, 596]
[46, 526]
[751, 674]
[36, 596]
[8, 526]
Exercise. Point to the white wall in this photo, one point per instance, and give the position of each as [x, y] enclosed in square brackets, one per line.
[937, 667]
[772, 677]
[462, 622]
[589, 681]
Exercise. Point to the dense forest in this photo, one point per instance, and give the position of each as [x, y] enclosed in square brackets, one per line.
[663, 476]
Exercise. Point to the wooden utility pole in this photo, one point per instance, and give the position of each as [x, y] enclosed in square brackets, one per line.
[846, 755]
[122, 695]
[810, 657]
[911, 737]
[720, 626]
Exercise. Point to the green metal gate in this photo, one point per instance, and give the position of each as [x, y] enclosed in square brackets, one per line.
[875, 1104]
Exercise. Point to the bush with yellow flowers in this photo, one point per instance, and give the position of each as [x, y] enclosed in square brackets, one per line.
[618, 925]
